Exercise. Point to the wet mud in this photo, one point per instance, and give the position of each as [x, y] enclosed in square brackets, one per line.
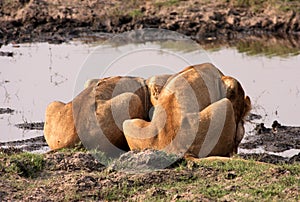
[31, 126]
[276, 139]
[60, 21]
[270, 140]
[36, 144]
[6, 54]
[6, 111]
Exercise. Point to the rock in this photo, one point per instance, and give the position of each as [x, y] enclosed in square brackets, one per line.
[143, 161]
[231, 20]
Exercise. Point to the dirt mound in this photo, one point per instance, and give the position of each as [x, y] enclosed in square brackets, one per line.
[78, 176]
[146, 161]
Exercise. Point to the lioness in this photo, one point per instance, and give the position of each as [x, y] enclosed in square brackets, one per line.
[199, 112]
[98, 113]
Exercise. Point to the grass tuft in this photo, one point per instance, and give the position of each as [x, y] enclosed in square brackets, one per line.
[25, 164]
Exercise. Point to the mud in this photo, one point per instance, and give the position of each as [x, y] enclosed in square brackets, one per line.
[6, 111]
[276, 139]
[27, 145]
[31, 126]
[6, 54]
[60, 21]
[270, 158]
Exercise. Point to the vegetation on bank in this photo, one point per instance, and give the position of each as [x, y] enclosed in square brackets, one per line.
[260, 5]
[268, 47]
[132, 7]
[254, 5]
[28, 176]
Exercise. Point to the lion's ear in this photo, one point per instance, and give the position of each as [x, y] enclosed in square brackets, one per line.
[247, 105]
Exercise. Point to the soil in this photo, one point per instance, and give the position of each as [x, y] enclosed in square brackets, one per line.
[77, 176]
[58, 21]
[81, 173]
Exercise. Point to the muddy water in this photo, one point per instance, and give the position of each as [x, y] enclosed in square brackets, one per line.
[36, 75]
[273, 83]
[40, 73]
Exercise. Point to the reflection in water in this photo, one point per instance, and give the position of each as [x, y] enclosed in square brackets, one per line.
[268, 48]
[265, 45]
[41, 73]
[55, 77]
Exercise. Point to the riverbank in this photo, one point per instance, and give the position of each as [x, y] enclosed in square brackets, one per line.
[59, 21]
[74, 175]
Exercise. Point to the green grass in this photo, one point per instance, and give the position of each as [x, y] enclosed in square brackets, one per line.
[248, 180]
[135, 13]
[166, 3]
[248, 3]
[24, 164]
[234, 180]
[260, 5]
[251, 180]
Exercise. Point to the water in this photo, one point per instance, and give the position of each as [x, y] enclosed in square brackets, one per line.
[37, 75]
[40, 73]
[272, 83]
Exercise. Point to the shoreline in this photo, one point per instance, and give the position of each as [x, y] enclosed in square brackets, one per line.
[271, 142]
[57, 22]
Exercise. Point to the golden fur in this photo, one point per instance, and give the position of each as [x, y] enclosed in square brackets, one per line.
[188, 110]
[59, 128]
[198, 112]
